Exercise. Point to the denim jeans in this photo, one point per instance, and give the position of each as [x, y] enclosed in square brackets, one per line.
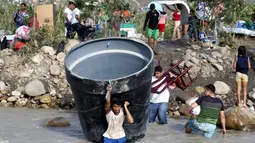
[121, 140]
[208, 129]
[158, 109]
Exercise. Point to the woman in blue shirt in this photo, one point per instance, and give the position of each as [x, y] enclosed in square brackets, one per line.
[242, 65]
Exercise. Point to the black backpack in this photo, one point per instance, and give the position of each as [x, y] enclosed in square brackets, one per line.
[4, 43]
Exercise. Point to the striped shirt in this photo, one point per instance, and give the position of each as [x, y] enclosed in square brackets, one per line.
[210, 109]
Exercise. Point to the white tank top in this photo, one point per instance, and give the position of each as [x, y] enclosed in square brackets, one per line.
[115, 125]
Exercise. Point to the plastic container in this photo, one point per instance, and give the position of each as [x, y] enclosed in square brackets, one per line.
[128, 64]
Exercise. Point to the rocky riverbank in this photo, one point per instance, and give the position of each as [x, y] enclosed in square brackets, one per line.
[35, 80]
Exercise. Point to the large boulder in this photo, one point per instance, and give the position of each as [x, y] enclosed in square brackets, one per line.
[240, 118]
[221, 88]
[36, 88]
[58, 122]
[70, 44]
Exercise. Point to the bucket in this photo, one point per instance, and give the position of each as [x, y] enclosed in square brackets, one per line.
[128, 64]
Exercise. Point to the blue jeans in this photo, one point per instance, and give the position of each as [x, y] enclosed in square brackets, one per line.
[208, 129]
[158, 109]
[121, 140]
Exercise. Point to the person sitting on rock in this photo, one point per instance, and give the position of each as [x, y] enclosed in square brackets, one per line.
[159, 102]
[211, 107]
[242, 65]
[115, 116]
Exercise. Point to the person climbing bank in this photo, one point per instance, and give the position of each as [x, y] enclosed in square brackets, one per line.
[115, 116]
[211, 107]
[242, 65]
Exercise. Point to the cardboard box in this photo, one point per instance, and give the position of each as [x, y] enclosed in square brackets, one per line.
[46, 14]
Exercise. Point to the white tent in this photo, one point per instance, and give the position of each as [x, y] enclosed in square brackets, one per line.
[185, 10]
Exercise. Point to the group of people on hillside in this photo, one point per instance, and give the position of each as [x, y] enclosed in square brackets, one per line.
[157, 23]
[24, 22]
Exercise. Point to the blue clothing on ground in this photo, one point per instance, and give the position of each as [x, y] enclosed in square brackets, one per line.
[208, 129]
[121, 140]
[158, 109]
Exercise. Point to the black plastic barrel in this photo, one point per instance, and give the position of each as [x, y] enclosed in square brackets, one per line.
[128, 64]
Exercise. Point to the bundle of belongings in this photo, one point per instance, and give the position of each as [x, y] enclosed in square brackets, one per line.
[21, 37]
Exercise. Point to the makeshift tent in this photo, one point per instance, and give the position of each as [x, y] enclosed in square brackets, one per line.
[185, 10]
[240, 28]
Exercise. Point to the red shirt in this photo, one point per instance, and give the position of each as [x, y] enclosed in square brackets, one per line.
[176, 16]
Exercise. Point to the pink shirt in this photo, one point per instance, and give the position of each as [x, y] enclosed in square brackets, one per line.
[163, 19]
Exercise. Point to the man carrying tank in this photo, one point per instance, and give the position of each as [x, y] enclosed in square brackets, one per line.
[115, 116]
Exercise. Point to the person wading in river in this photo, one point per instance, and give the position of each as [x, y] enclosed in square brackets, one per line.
[115, 116]
[211, 107]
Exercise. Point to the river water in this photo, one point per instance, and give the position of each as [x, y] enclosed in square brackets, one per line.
[21, 125]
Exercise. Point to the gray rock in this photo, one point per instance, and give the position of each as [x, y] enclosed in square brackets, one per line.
[21, 89]
[6, 52]
[35, 88]
[22, 102]
[45, 99]
[187, 57]
[249, 103]
[217, 66]
[225, 51]
[188, 52]
[12, 99]
[61, 57]
[220, 61]
[25, 74]
[37, 58]
[70, 44]
[216, 54]
[1, 62]
[203, 56]
[252, 95]
[221, 88]
[212, 60]
[3, 101]
[47, 49]
[16, 93]
[196, 47]
[55, 70]
[188, 64]
[58, 122]
[193, 54]
[2, 85]
[195, 60]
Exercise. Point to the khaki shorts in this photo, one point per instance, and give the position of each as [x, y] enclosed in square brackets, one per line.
[241, 77]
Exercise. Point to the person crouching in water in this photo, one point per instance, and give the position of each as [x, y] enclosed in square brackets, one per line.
[242, 65]
[211, 108]
[159, 102]
[115, 116]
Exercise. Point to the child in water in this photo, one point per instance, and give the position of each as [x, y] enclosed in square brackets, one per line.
[242, 65]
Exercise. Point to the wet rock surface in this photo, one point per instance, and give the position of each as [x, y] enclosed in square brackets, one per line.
[58, 122]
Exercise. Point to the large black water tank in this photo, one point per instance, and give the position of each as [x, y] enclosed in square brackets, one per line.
[128, 64]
